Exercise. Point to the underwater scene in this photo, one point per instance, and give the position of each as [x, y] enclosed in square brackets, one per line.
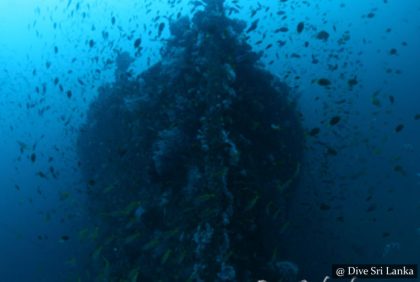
[209, 140]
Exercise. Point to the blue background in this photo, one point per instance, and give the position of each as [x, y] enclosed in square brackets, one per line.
[371, 186]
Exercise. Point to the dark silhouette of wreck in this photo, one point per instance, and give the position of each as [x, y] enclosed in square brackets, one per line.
[191, 164]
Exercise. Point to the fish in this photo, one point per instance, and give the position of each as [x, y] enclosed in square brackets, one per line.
[323, 35]
[352, 82]
[106, 267]
[324, 207]
[253, 202]
[417, 117]
[371, 208]
[300, 27]
[128, 210]
[182, 256]
[84, 233]
[399, 127]
[33, 157]
[137, 43]
[281, 29]
[342, 101]
[153, 243]
[206, 197]
[132, 238]
[161, 28]
[281, 43]
[64, 238]
[268, 207]
[105, 35]
[72, 262]
[399, 169]
[80, 82]
[22, 146]
[375, 101]
[334, 120]
[393, 247]
[284, 227]
[64, 196]
[97, 253]
[166, 256]
[41, 174]
[108, 189]
[133, 276]
[283, 186]
[94, 234]
[332, 151]
[314, 131]
[253, 26]
[324, 82]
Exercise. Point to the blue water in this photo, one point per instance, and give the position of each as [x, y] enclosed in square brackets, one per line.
[358, 197]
